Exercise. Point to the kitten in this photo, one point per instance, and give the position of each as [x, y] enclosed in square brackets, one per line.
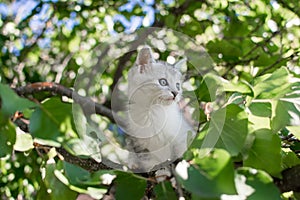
[157, 128]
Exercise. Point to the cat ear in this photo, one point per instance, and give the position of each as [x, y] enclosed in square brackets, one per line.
[145, 56]
[180, 64]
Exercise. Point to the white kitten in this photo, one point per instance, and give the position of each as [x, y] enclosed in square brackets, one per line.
[158, 129]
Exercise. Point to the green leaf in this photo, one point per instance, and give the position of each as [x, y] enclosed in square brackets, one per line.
[170, 20]
[212, 85]
[289, 159]
[280, 116]
[51, 143]
[80, 120]
[202, 92]
[261, 109]
[43, 125]
[210, 176]
[164, 191]
[208, 88]
[265, 59]
[101, 177]
[236, 28]
[240, 87]
[273, 86]
[81, 180]
[53, 120]
[89, 137]
[257, 123]
[227, 129]
[295, 130]
[259, 116]
[11, 102]
[56, 188]
[76, 175]
[234, 131]
[7, 138]
[24, 142]
[129, 186]
[230, 51]
[265, 152]
[42, 193]
[85, 146]
[261, 182]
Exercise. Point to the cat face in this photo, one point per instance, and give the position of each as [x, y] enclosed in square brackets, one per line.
[155, 81]
[167, 83]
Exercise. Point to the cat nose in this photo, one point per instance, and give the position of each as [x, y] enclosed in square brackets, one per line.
[174, 93]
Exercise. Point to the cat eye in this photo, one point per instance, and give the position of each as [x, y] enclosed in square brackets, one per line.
[178, 86]
[163, 82]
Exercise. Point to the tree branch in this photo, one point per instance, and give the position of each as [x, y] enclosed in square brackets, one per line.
[88, 164]
[86, 103]
[34, 11]
[290, 180]
[294, 9]
[281, 59]
[245, 58]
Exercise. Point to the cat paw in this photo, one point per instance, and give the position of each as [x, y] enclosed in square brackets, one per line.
[162, 174]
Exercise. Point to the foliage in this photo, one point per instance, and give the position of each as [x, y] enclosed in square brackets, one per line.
[254, 94]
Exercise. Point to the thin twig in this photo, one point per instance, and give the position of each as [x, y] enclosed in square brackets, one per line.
[89, 164]
[293, 9]
[244, 59]
[178, 186]
[277, 62]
